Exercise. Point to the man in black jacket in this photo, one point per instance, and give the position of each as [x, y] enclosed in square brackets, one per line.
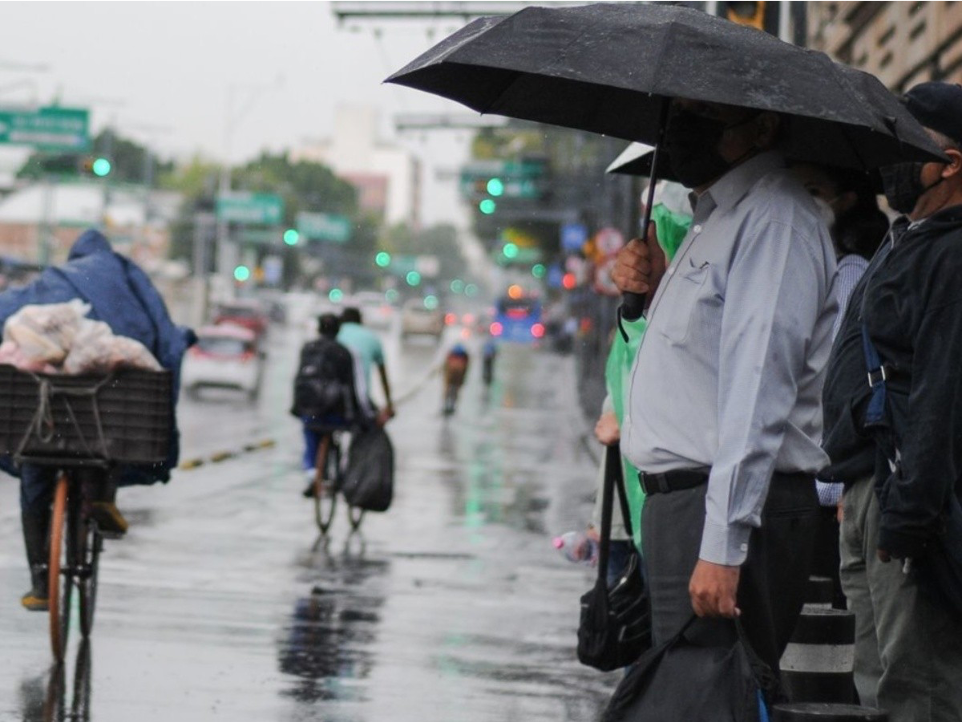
[908, 656]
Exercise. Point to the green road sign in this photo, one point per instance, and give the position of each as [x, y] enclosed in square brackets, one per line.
[50, 129]
[324, 227]
[263, 209]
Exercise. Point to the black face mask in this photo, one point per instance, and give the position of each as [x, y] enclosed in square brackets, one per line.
[903, 187]
[692, 144]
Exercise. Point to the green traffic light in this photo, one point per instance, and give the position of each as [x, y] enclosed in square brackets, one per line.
[487, 206]
[336, 295]
[413, 278]
[430, 302]
[101, 167]
[457, 286]
[291, 237]
[383, 259]
[510, 250]
[538, 270]
[242, 273]
[495, 187]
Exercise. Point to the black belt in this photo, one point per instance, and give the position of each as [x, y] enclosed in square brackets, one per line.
[672, 481]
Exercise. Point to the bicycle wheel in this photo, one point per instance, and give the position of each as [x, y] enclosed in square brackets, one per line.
[90, 545]
[325, 487]
[356, 515]
[63, 532]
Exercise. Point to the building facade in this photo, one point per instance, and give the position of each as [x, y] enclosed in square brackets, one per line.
[902, 43]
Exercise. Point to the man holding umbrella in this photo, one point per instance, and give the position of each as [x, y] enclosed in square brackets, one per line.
[722, 413]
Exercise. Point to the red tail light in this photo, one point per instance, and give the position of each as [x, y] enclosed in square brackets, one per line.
[496, 329]
[450, 318]
[537, 330]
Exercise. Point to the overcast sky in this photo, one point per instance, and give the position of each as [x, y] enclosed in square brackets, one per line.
[162, 70]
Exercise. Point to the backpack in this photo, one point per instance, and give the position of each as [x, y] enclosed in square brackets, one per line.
[321, 386]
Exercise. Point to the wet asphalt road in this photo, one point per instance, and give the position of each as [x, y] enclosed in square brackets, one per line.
[222, 603]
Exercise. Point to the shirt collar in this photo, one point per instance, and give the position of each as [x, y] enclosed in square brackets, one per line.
[732, 187]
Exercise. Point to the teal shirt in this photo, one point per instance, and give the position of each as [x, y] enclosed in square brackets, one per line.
[365, 344]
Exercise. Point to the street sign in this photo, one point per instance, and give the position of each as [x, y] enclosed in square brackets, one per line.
[265, 236]
[254, 208]
[516, 179]
[573, 236]
[324, 226]
[52, 129]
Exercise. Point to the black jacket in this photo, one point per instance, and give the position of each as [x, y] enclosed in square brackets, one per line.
[913, 311]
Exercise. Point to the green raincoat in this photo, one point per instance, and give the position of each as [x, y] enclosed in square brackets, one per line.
[670, 229]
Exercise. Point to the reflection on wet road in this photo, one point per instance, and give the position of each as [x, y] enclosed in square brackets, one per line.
[222, 603]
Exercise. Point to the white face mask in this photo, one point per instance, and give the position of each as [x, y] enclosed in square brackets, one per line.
[825, 212]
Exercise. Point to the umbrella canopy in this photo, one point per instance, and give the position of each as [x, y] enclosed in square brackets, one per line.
[608, 68]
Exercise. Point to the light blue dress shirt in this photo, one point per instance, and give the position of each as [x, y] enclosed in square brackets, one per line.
[730, 371]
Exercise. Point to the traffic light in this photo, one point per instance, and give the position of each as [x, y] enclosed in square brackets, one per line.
[487, 206]
[242, 273]
[510, 250]
[99, 167]
[495, 187]
[747, 12]
[383, 259]
[413, 278]
[291, 237]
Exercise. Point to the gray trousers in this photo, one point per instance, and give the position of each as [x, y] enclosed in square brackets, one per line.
[908, 648]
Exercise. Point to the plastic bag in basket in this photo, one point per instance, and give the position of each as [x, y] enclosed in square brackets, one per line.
[96, 350]
[44, 332]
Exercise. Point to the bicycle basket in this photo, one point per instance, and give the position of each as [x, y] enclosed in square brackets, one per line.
[124, 417]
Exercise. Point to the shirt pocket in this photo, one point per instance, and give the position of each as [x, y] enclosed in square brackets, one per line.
[682, 299]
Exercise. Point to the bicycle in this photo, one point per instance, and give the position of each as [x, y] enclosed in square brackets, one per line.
[328, 477]
[75, 545]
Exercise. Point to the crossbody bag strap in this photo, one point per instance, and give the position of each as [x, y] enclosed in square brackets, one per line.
[619, 478]
[612, 468]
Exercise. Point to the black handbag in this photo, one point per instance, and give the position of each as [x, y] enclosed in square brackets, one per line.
[708, 671]
[615, 625]
[368, 482]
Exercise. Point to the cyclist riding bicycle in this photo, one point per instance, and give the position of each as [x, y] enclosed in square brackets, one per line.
[329, 392]
[366, 346]
[121, 295]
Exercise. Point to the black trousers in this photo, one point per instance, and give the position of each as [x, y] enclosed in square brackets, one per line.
[773, 578]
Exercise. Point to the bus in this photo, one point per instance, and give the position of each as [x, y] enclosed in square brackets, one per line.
[517, 319]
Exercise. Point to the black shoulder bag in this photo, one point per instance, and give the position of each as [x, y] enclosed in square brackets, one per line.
[615, 623]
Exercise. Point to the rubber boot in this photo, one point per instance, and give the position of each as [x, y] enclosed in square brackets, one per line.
[35, 539]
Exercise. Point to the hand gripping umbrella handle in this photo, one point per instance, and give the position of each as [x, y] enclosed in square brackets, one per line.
[633, 304]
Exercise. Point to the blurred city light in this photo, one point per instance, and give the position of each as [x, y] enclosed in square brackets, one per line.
[291, 237]
[242, 273]
[430, 302]
[383, 259]
[470, 290]
[413, 278]
[537, 330]
[487, 206]
[515, 291]
[496, 329]
[569, 281]
[336, 295]
[457, 286]
[510, 250]
[538, 270]
[495, 187]
[101, 167]
[392, 295]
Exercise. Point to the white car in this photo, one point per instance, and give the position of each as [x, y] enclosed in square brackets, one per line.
[416, 318]
[225, 356]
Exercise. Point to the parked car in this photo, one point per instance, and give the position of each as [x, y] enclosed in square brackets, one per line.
[416, 318]
[248, 313]
[225, 356]
[374, 307]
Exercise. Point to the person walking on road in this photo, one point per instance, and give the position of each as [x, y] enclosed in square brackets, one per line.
[722, 409]
[908, 306]
[367, 347]
[455, 370]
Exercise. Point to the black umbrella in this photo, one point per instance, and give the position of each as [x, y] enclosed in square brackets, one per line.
[606, 68]
[610, 67]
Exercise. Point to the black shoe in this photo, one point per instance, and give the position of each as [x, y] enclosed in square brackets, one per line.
[37, 599]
